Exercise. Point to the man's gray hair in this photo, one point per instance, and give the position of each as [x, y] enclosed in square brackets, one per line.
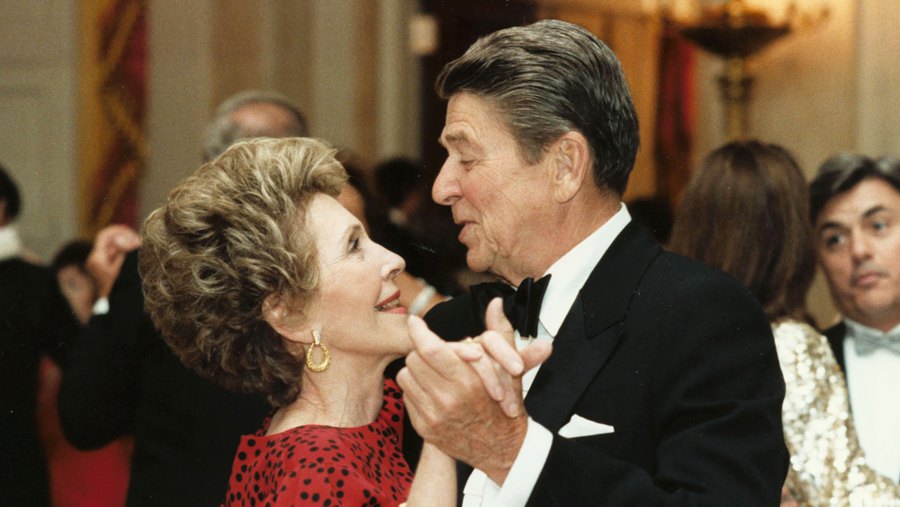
[549, 78]
[222, 131]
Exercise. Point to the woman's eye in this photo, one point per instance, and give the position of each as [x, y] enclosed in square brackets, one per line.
[354, 244]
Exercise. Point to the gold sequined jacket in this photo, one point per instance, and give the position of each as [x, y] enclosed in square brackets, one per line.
[828, 467]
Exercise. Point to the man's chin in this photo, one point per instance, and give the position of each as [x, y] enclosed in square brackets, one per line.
[476, 262]
[872, 310]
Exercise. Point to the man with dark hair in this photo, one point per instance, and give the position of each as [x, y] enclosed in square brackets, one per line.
[122, 378]
[855, 208]
[663, 387]
[9, 199]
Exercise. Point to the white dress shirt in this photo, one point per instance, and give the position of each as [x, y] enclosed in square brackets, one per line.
[872, 381]
[569, 274]
[10, 243]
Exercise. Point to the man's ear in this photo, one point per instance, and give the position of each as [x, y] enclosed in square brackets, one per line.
[570, 165]
[285, 322]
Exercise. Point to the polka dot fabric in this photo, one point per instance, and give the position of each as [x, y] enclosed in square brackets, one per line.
[325, 466]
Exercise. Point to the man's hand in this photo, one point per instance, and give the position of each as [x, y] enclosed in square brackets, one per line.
[494, 357]
[108, 254]
[447, 398]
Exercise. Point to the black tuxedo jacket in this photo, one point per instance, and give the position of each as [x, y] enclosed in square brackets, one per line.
[121, 378]
[836, 335]
[680, 360]
[34, 320]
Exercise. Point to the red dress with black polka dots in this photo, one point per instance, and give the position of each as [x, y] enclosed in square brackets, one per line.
[323, 465]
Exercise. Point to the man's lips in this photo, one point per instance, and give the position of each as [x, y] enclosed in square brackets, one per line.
[464, 226]
[867, 278]
[462, 230]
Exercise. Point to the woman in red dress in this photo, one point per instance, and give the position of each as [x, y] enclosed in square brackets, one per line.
[259, 279]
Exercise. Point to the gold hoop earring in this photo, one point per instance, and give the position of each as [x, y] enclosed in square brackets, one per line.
[326, 356]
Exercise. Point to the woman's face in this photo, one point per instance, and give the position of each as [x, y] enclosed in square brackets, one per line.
[358, 309]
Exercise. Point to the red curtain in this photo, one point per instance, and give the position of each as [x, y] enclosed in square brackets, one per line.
[675, 115]
[121, 91]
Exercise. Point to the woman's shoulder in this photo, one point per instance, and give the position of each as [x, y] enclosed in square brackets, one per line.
[799, 343]
[790, 328]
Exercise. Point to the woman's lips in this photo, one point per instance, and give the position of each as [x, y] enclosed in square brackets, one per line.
[391, 304]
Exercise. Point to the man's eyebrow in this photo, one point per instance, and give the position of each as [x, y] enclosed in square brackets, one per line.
[453, 138]
[874, 210]
[830, 225]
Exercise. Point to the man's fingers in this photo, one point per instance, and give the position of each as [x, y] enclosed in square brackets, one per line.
[503, 351]
[484, 367]
[499, 384]
[512, 391]
[468, 351]
[495, 320]
[536, 353]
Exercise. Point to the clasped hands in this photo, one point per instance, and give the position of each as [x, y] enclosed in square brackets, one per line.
[465, 398]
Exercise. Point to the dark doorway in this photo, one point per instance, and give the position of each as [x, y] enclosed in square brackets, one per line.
[460, 23]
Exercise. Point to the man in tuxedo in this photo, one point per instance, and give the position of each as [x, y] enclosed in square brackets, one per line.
[122, 378]
[33, 320]
[663, 387]
[855, 207]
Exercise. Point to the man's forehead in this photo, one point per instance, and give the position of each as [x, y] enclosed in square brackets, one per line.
[865, 198]
[470, 118]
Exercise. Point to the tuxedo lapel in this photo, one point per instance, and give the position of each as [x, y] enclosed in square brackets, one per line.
[576, 359]
[836, 335]
[591, 330]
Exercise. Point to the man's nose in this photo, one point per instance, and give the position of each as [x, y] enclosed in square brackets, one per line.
[860, 247]
[445, 190]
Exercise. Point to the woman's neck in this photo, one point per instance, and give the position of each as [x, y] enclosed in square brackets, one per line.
[339, 397]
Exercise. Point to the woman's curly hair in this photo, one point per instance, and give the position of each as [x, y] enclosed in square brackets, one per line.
[228, 237]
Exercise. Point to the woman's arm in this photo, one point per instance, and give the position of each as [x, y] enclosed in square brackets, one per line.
[435, 482]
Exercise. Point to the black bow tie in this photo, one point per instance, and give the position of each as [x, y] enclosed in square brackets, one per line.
[522, 306]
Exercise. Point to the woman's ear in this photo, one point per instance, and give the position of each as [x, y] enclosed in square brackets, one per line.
[570, 165]
[285, 322]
